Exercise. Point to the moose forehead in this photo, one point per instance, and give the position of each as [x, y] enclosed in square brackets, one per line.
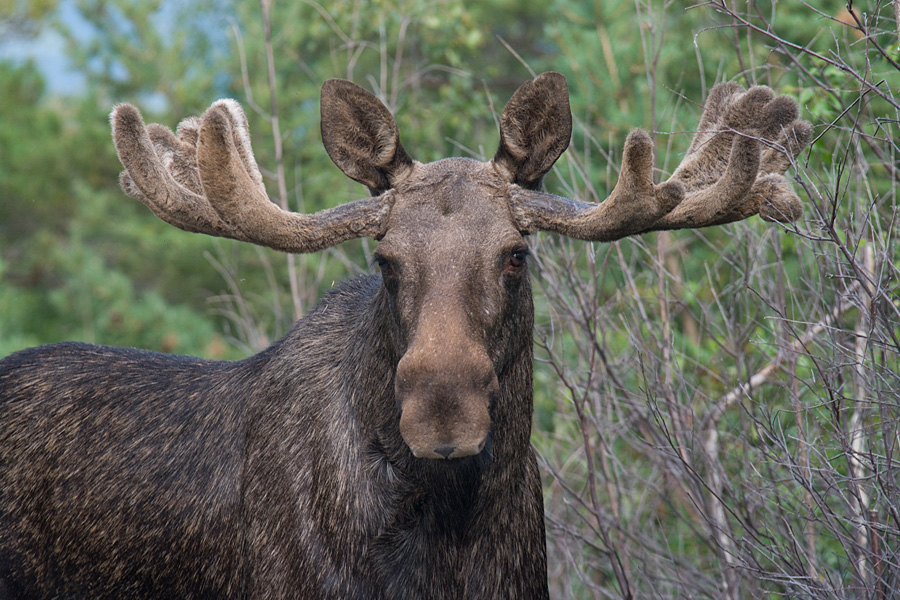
[454, 204]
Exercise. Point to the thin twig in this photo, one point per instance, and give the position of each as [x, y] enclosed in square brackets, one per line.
[265, 5]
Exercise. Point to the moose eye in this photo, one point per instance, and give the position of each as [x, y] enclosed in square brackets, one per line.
[517, 259]
[387, 266]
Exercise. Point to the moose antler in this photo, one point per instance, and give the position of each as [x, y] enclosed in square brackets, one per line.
[733, 169]
[205, 179]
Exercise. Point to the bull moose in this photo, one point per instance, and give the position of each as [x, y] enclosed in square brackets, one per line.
[380, 450]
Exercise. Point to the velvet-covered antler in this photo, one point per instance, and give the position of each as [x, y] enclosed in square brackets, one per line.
[733, 169]
[205, 179]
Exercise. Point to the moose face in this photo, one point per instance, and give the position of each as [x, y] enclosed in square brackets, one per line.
[452, 258]
[454, 266]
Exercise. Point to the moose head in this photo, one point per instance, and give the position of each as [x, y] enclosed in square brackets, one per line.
[453, 234]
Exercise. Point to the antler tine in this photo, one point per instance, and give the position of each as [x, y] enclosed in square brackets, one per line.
[206, 180]
[731, 171]
[153, 157]
[776, 200]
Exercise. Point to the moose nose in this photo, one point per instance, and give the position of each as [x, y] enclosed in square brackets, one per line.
[445, 451]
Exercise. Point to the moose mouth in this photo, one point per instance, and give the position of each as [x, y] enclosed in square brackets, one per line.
[448, 435]
[450, 452]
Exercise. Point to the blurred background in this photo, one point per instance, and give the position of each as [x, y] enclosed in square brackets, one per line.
[716, 410]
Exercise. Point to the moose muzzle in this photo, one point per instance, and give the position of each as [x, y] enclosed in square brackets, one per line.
[445, 393]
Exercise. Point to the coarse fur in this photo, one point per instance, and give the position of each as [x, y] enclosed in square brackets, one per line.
[280, 476]
[381, 449]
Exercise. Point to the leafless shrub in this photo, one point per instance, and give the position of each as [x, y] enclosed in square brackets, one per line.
[728, 427]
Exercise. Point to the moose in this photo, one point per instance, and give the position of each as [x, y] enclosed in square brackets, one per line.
[380, 450]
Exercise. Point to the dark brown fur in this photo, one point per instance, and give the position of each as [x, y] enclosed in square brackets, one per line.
[381, 449]
[142, 475]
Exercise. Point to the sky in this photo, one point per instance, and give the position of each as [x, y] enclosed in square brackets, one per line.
[48, 51]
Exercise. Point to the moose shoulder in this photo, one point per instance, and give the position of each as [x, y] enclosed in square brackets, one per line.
[381, 449]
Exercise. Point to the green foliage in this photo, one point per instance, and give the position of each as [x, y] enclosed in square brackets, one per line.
[24, 17]
[79, 261]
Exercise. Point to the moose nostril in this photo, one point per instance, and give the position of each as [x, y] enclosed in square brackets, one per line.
[445, 451]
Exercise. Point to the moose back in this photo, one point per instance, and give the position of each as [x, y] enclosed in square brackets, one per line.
[381, 449]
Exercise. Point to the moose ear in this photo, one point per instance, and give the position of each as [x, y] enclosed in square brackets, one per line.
[535, 129]
[360, 135]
